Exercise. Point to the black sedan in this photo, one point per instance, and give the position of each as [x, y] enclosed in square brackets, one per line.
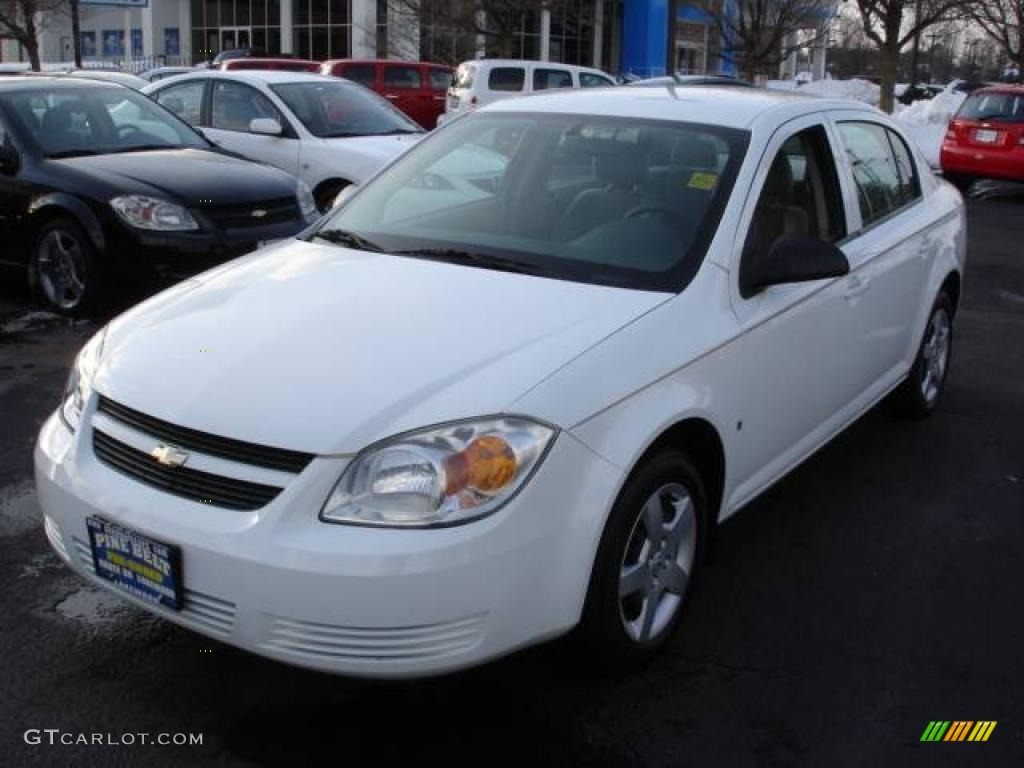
[98, 183]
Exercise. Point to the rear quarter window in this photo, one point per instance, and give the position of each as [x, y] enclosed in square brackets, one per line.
[506, 79]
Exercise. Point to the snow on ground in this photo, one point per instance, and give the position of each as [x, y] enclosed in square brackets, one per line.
[859, 90]
[926, 121]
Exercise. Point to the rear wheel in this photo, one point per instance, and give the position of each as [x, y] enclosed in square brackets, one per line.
[646, 562]
[64, 269]
[919, 394]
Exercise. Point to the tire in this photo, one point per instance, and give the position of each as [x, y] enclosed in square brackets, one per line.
[920, 392]
[64, 269]
[618, 626]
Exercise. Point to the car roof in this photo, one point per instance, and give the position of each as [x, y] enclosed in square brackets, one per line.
[386, 61]
[30, 81]
[268, 76]
[725, 105]
[525, 62]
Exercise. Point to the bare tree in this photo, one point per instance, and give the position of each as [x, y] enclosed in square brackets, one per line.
[763, 33]
[1003, 22]
[891, 24]
[21, 20]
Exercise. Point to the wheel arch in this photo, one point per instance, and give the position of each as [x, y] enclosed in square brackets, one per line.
[332, 183]
[56, 204]
[951, 287]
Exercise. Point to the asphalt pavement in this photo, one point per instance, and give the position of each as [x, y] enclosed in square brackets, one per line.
[877, 588]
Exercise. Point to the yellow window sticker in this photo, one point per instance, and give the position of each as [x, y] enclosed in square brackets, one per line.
[699, 180]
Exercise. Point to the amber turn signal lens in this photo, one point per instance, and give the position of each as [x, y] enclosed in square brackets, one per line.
[486, 464]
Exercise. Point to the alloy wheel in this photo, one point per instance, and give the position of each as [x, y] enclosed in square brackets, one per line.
[657, 563]
[935, 354]
[61, 269]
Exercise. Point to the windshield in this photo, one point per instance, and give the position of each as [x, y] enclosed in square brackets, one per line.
[615, 201]
[332, 109]
[993, 106]
[65, 122]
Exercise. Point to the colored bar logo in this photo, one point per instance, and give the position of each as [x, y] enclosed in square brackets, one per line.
[958, 730]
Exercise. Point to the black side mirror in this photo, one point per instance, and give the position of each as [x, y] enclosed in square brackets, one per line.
[10, 160]
[791, 260]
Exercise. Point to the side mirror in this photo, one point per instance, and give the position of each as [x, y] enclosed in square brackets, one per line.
[265, 126]
[342, 197]
[10, 160]
[791, 260]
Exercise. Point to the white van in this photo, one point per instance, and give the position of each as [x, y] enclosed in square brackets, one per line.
[482, 81]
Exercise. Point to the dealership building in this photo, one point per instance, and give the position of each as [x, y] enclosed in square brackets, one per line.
[619, 36]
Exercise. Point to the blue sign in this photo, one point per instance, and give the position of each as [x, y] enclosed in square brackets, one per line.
[172, 41]
[143, 567]
[89, 44]
[113, 42]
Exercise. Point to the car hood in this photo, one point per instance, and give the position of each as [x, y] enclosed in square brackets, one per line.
[322, 349]
[378, 147]
[189, 175]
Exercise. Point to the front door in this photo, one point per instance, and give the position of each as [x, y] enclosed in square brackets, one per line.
[233, 107]
[799, 339]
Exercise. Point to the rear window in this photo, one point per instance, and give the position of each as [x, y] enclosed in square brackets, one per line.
[440, 79]
[506, 79]
[543, 79]
[993, 106]
[359, 73]
[402, 77]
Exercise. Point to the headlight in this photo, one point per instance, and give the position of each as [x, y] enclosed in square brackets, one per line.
[307, 205]
[441, 476]
[153, 213]
[76, 391]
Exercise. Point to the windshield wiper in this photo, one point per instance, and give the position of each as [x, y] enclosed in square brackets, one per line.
[146, 148]
[73, 153]
[347, 239]
[455, 256]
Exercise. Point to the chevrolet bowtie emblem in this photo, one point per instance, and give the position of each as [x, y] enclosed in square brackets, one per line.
[169, 455]
[258, 213]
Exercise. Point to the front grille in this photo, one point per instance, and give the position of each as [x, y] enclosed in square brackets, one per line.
[188, 483]
[240, 215]
[212, 445]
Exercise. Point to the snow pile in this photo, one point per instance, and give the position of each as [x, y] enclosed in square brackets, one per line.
[859, 90]
[925, 121]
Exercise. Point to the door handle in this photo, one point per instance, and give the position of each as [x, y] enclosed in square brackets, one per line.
[856, 285]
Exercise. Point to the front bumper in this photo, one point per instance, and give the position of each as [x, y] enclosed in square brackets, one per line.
[358, 601]
[182, 254]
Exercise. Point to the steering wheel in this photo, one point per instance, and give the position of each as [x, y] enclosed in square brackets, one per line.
[126, 130]
[645, 209]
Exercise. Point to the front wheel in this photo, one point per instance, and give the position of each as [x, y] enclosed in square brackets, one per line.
[919, 394]
[64, 269]
[646, 562]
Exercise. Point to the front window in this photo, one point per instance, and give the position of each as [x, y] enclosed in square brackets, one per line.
[334, 109]
[65, 122]
[614, 201]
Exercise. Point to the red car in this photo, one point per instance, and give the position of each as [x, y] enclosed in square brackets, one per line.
[415, 87]
[286, 65]
[985, 138]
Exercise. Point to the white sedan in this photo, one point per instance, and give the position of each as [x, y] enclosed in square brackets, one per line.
[327, 131]
[430, 434]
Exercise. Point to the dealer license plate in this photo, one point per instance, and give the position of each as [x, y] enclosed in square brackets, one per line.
[141, 566]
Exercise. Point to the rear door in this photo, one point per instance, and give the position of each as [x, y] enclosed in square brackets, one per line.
[403, 87]
[437, 81]
[890, 246]
[546, 78]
